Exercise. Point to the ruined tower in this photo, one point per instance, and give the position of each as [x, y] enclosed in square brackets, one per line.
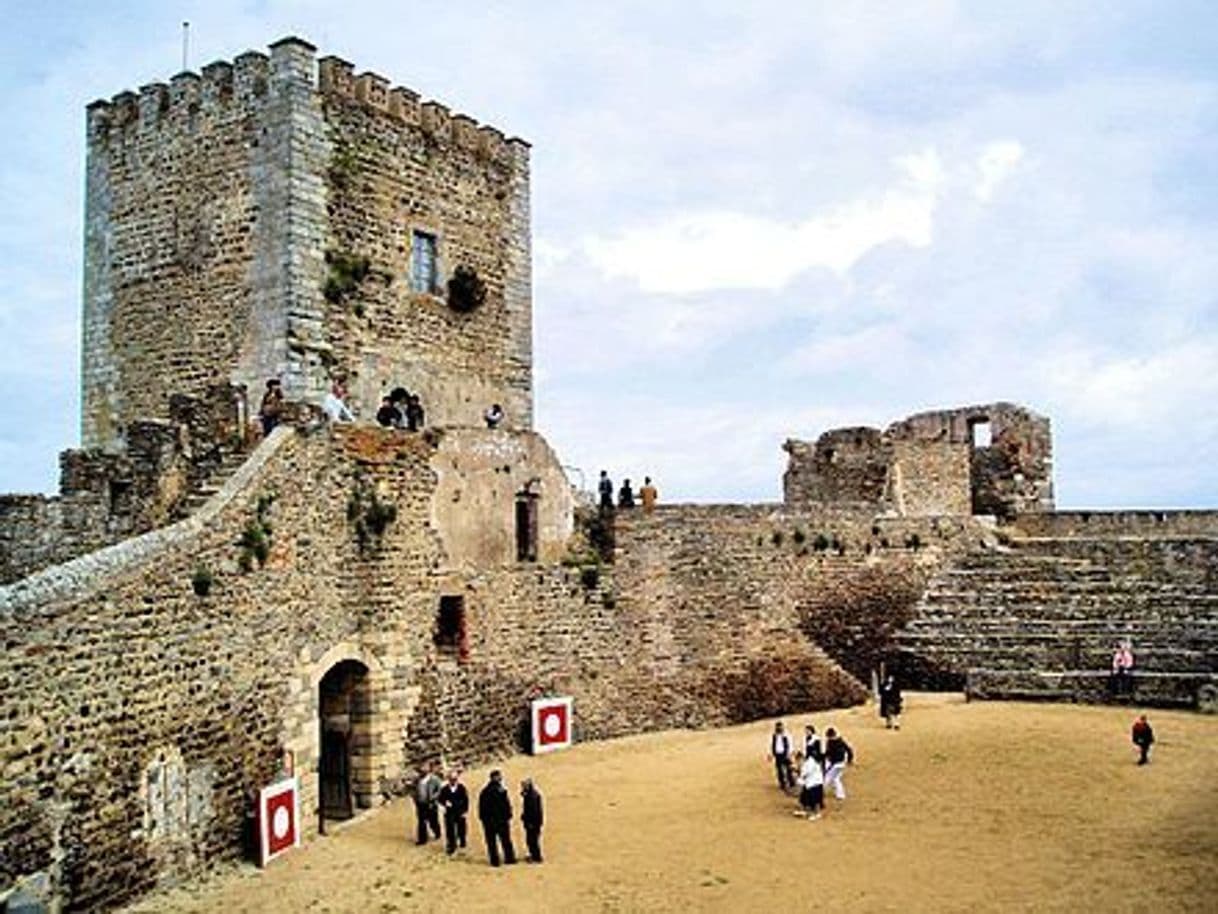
[280, 216]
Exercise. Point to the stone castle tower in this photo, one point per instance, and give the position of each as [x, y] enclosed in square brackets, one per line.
[280, 216]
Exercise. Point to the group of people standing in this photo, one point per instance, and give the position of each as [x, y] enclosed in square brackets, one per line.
[401, 409]
[648, 494]
[433, 795]
[820, 765]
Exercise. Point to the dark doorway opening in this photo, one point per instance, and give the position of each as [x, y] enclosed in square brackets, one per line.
[345, 709]
[526, 527]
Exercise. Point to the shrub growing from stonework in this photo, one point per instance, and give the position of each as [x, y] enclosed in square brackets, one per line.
[344, 274]
[466, 290]
[202, 580]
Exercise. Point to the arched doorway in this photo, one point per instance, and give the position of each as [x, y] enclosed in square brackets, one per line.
[345, 710]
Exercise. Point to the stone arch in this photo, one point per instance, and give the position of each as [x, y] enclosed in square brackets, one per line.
[381, 699]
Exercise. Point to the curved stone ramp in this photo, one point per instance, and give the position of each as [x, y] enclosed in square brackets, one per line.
[84, 575]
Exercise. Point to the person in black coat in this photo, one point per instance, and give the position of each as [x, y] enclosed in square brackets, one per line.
[495, 814]
[531, 816]
[890, 703]
[454, 800]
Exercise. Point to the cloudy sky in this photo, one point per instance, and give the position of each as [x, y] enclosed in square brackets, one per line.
[751, 221]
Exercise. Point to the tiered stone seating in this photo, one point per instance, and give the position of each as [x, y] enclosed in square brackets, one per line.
[1040, 619]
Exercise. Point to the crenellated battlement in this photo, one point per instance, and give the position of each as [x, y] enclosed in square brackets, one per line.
[249, 78]
[337, 79]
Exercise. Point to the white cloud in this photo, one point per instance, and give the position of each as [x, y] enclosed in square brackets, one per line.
[995, 164]
[708, 250]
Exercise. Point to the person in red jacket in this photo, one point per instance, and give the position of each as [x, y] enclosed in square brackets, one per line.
[1143, 737]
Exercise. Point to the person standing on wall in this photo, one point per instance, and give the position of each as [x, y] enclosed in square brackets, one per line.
[838, 755]
[1143, 737]
[625, 495]
[531, 817]
[1122, 670]
[890, 702]
[454, 800]
[495, 814]
[648, 495]
[271, 410]
[780, 752]
[426, 792]
[605, 489]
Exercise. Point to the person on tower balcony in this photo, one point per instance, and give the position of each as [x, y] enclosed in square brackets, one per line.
[494, 416]
[414, 413]
[335, 404]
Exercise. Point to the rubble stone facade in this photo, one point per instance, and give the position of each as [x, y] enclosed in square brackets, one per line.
[202, 605]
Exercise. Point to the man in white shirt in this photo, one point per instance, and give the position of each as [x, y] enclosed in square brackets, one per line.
[335, 404]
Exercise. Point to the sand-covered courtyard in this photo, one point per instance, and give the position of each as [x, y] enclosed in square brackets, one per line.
[982, 806]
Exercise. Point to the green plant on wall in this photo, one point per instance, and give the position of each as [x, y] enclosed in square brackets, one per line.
[345, 271]
[255, 542]
[202, 580]
[369, 516]
[466, 290]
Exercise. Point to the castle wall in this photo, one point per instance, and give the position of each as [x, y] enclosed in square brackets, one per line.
[141, 712]
[399, 167]
[1119, 523]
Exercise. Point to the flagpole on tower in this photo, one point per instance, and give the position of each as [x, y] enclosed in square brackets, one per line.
[185, 45]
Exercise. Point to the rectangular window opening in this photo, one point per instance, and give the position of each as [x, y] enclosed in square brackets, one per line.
[424, 271]
[981, 433]
[449, 635]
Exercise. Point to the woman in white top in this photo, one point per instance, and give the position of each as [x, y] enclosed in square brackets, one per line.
[812, 787]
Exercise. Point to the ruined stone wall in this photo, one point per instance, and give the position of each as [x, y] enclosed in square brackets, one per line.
[107, 496]
[401, 166]
[1011, 475]
[929, 464]
[848, 465]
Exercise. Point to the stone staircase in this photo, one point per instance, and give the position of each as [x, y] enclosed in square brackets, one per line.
[210, 485]
[1040, 619]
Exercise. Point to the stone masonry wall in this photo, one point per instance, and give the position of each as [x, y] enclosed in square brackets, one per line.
[138, 713]
[173, 214]
[929, 464]
[401, 166]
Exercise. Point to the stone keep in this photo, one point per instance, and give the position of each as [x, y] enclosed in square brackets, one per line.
[261, 220]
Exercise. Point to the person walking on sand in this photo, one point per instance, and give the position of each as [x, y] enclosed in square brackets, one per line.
[890, 702]
[495, 814]
[812, 746]
[812, 786]
[838, 755]
[1143, 737]
[780, 752]
[454, 800]
[426, 792]
[531, 817]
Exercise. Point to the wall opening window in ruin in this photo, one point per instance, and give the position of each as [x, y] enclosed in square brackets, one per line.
[981, 433]
[423, 265]
[526, 527]
[449, 634]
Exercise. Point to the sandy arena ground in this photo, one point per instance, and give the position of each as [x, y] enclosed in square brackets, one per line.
[985, 806]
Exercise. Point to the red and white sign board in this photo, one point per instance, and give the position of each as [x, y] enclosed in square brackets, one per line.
[551, 724]
[278, 819]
